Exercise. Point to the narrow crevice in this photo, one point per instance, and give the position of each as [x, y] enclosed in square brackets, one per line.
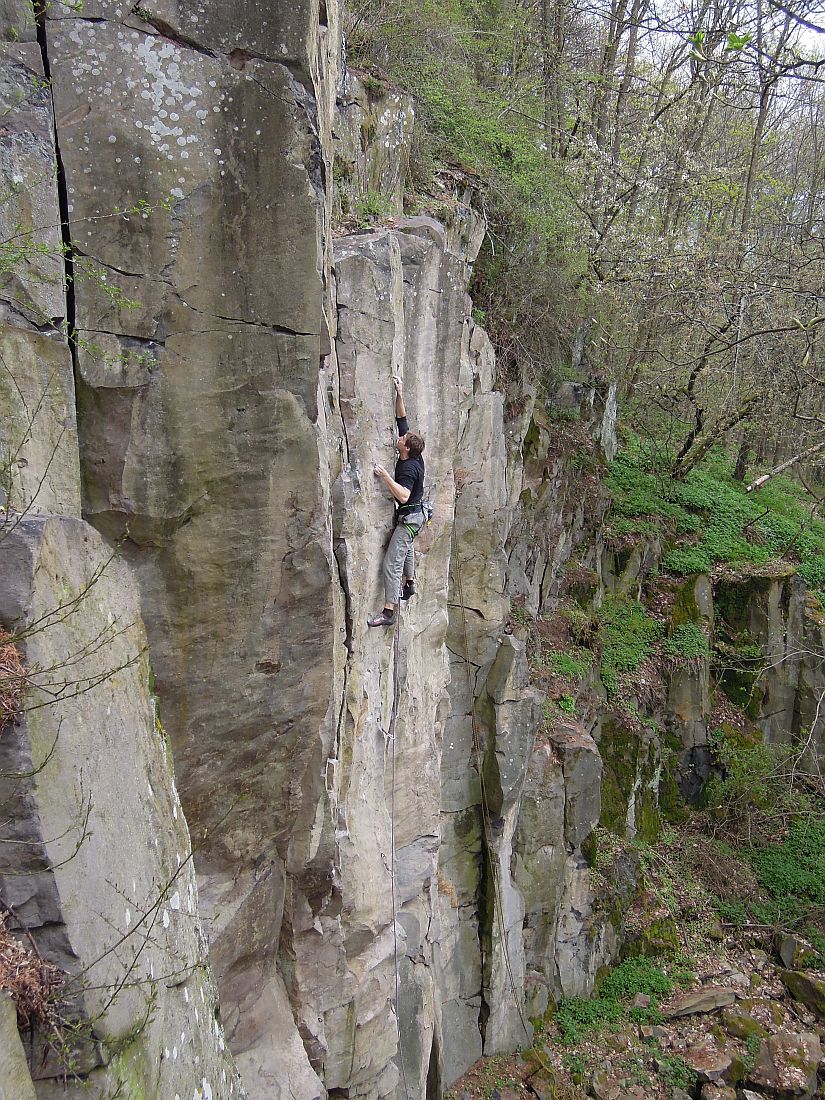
[342, 580]
[62, 189]
[486, 905]
[109, 267]
[168, 32]
[11, 314]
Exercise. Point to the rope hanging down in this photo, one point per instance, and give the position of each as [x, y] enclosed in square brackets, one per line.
[391, 735]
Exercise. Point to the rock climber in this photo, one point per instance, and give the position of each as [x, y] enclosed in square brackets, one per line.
[407, 488]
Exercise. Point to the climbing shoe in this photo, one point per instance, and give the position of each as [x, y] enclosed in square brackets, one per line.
[408, 590]
[386, 618]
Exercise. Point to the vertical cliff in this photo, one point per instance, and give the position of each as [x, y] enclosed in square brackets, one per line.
[357, 803]
[391, 829]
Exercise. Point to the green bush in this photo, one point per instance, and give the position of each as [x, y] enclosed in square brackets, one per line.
[748, 780]
[577, 1017]
[734, 527]
[793, 871]
[688, 640]
[633, 976]
[627, 634]
[574, 664]
[676, 1073]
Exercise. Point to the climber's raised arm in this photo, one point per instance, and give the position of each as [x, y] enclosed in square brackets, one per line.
[407, 488]
[400, 411]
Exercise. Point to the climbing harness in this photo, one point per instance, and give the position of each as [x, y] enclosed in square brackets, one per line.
[391, 735]
[485, 810]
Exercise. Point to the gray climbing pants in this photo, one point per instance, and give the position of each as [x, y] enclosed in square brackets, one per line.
[400, 558]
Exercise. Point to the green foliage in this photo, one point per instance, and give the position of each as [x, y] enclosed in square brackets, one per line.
[731, 910]
[566, 704]
[639, 975]
[575, 1065]
[688, 640]
[817, 942]
[748, 779]
[627, 634]
[578, 1017]
[793, 871]
[712, 519]
[372, 207]
[676, 1073]
[574, 664]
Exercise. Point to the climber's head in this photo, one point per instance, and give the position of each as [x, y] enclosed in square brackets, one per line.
[410, 445]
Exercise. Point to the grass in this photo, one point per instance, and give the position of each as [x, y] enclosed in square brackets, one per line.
[710, 520]
[571, 665]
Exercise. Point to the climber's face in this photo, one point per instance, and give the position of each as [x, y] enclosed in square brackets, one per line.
[402, 448]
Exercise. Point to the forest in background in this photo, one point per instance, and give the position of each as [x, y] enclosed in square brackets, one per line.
[652, 175]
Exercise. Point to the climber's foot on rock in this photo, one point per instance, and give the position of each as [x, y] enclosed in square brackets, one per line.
[408, 590]
[386, 618]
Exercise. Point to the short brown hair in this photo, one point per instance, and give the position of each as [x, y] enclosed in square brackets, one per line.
[415, 442]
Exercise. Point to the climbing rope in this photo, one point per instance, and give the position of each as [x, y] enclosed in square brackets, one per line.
[391, 735]
[485, 813]
[498, 904]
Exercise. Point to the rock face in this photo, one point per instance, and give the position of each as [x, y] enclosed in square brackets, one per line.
[393, 838]
[374, 825]
[95, 860]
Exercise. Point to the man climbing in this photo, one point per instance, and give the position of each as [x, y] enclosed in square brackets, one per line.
[407, 488]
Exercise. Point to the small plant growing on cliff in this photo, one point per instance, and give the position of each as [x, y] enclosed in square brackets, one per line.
[372, 208]
[627, 636]
[688, 641]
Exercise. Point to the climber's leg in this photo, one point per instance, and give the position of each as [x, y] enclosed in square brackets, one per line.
[408, 587]
[397, 552]
[394, 559]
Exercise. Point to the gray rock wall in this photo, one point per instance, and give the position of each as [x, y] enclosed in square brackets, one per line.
[233, 379]
[95, 859]
[390, 844]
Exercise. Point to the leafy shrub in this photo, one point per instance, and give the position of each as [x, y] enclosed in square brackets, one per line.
[573, 664]
[578, 1017]
[567, 704]
[627, 634]
[735, 528]
[749, 777]
[688, 640]
[633, 976]
[676, 1073]
[794, 870]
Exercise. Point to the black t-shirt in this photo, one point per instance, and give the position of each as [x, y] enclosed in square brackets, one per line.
[409, 472]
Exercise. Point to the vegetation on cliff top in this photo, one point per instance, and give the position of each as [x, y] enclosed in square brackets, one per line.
[654, 189]
[708, 519]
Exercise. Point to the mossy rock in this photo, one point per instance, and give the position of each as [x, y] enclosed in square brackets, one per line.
[806, 988]
[629, 769]
[740, 1025]
[744, 690]
[685, 607]
[733, 599]
[590, 848]
[660, 939]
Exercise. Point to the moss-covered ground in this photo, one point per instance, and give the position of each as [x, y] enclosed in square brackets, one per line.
[709, 519]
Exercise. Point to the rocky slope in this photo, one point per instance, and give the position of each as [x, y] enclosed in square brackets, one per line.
[389, 840]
